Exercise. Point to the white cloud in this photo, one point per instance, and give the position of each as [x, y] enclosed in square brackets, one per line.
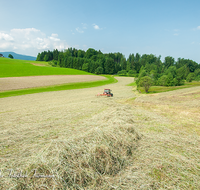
[79, 30]
[5, 37]
[197, 28]
[96, 27]
[84, 26]
[54, 37]
[30, 41]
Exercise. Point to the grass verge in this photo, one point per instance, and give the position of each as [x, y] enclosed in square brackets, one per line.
[132, 84]
[158, 89]
[70, 86]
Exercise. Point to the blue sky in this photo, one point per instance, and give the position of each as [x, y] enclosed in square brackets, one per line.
[160, 27]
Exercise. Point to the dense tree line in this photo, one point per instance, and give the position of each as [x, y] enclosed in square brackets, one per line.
[91, 60]
[170, 73]
[166, 73]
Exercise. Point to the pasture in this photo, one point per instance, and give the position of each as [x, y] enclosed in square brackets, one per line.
[19, 68]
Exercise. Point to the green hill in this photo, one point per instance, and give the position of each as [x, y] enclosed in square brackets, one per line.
[17, 68]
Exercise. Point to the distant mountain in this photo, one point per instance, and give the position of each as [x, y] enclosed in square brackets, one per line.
[18, 56]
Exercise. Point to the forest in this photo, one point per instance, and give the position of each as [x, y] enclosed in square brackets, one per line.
[166, 73]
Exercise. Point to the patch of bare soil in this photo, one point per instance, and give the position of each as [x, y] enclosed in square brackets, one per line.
[86, 142]
[38, 64]
[15, 83]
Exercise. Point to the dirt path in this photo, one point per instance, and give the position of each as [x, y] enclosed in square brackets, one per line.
[33, 127]
[14, 83]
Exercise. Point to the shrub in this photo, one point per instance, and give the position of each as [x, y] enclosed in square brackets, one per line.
[53, 63]
[122, 73]
[197, 78]
[85, 67]
[175, 82]
[162, 81]
[145, 82]
[10, 56]
[132, 73]
[190, 77]
[99, 70]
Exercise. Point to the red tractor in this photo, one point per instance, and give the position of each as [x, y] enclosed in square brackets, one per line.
[107, 92]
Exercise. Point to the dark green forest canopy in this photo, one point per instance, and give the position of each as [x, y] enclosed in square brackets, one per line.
[166, 73]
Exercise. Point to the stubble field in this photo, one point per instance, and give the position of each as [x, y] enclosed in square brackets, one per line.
[130, 141]
[16, 83]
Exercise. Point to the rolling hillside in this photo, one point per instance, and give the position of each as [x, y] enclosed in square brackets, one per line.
[18, 56]
[18, 68]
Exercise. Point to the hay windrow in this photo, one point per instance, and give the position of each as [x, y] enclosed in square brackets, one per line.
[100, 155]
[86, 162]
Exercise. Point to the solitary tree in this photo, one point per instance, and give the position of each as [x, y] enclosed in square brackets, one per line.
[145, 82]
[10, 56]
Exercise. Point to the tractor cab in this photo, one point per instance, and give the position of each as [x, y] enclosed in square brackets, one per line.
[107, 92]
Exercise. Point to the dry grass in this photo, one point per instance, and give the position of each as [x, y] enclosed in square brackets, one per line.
[84, 142]
[15, 83]
[89, 161]
[169, 153]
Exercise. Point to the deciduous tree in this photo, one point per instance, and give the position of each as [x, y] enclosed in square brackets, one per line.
[10, 56]
[145, 82]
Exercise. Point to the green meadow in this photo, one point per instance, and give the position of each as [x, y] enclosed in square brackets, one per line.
[159, 89]
[19, 68]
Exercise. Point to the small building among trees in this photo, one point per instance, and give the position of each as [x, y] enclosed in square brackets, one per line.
[1, 55]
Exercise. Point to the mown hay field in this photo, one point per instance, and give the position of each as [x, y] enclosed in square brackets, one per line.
[16, 83]
[75, 140]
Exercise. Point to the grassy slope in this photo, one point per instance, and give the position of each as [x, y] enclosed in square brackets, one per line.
[158, 89]
[18, 68]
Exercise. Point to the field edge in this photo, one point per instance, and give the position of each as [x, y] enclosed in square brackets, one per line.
[69, 86]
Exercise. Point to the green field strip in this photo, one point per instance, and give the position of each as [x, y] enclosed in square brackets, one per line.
[159, 89]
[70, 86]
